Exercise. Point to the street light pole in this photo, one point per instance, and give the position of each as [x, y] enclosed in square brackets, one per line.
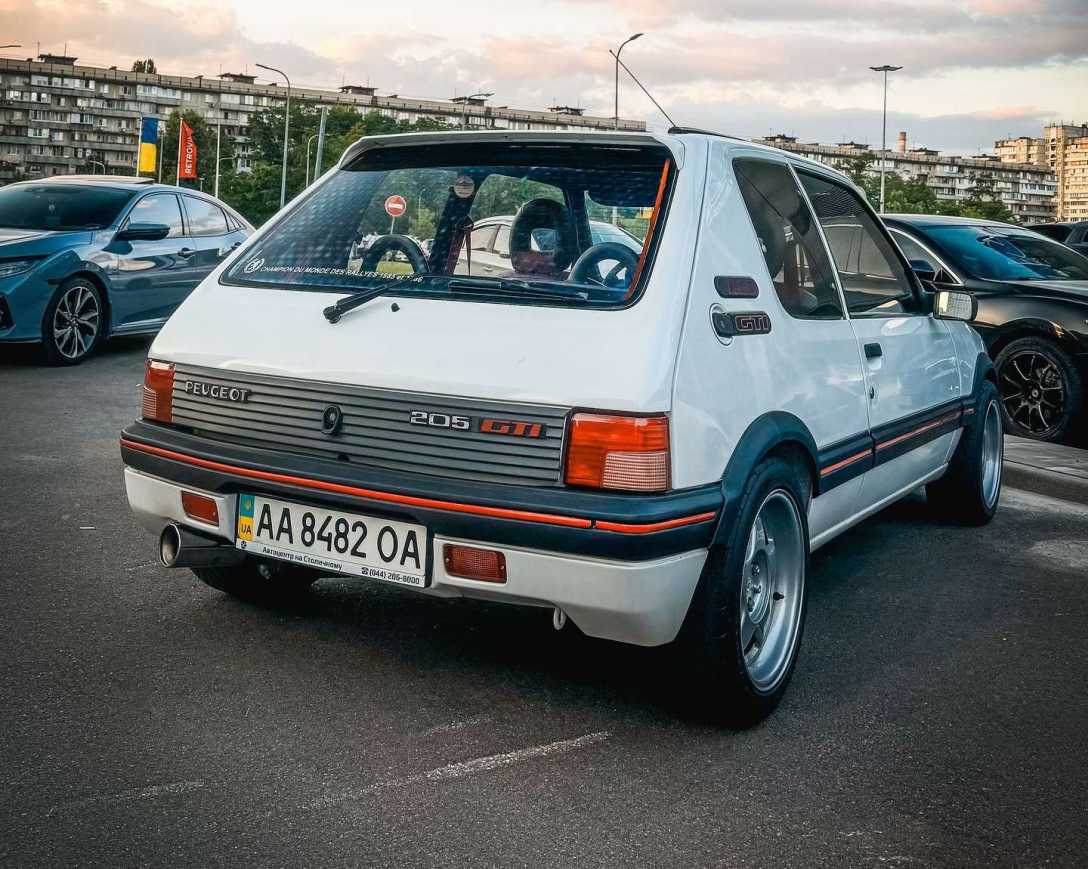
[218, 137]
[884, 127]
[309, 142]
[464, 106]
[616, 115]
[286, 130]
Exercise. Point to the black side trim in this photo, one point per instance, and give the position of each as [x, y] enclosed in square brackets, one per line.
[628, 509]
[903, 435]
[843, 461]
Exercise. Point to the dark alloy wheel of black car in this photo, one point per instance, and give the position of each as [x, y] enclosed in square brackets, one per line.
[1032, 295]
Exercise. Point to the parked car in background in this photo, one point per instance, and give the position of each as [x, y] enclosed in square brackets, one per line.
[490, 250]
[83, 258]
[1073, 234]
[1032, 310]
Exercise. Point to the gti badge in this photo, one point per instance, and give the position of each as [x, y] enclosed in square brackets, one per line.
[331, 420]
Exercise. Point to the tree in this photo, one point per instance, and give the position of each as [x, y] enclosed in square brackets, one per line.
[147, 66]
[984, 201]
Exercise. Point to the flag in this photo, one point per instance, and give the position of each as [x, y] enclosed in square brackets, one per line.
[186, 153]
[149, 144]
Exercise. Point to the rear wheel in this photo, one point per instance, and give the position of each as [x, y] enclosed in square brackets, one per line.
[72, 326]
[1040, 387]
[748, 616]
[971, 488]
[259, 580]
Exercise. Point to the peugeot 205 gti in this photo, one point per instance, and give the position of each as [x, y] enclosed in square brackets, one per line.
[649, 441]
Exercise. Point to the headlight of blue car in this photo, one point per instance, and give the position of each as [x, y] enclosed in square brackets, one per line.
[16, 266]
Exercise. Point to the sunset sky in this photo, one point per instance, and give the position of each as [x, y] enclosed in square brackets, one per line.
[974, 70]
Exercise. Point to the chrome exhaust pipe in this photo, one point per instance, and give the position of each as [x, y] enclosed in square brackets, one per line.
[180, 547]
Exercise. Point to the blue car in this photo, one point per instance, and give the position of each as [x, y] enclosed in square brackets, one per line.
[83, 258]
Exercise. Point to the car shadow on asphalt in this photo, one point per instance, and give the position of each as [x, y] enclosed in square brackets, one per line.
[31, 355]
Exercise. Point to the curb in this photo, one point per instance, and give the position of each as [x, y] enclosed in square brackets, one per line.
[1042, 482]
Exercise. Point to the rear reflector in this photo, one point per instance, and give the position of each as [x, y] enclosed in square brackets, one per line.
[629, 453]
[158, 391]
[468, 562]
[200, 507]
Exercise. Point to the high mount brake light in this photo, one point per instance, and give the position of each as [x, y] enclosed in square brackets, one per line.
[627, 453]
[158, 391]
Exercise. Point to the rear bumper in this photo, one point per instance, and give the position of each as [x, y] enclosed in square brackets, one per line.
[638, 602]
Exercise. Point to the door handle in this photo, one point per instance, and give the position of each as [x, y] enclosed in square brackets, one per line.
[186, 252]
[873, 351]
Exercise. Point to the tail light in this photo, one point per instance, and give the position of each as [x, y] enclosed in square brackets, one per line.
[158, 390]
[618, 452]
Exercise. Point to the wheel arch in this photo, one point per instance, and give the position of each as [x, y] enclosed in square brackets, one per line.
[102, 285]
[1031, 327]
[774, 433]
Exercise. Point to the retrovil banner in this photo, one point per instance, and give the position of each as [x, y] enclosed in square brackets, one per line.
[187, 153]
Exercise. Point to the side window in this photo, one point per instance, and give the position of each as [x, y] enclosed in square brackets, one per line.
[159, 208]
[502, 241]
[482, 238]
[913, 251]
[789, 238]
[204, 217]
[873, 279]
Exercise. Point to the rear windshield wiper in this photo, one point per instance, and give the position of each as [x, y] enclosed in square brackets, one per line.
[334, 312]
[529, 290]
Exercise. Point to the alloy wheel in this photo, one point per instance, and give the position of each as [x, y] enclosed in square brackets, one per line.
[76, 322]
[772, 588]
[993, 449]
[1032, 392]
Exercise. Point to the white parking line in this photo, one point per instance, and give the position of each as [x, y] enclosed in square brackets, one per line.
[466, 768]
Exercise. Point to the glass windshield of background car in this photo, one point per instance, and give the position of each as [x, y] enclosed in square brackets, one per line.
[60, 207]
[1005, 253]
[526, 221]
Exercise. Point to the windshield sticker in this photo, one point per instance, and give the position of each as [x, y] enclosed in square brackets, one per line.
[326, 270]
[463, 186]
[253, 265]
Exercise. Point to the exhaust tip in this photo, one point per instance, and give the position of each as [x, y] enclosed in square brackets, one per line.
[169, 545]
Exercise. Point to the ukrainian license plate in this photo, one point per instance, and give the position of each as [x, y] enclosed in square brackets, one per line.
[332, 540]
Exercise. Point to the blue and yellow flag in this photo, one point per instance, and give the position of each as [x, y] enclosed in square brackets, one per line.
[149, 144]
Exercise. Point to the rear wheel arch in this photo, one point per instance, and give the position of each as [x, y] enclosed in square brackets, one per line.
[102, 285]
[777, 433]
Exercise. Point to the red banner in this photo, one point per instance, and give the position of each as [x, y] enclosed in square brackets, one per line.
[187, 153]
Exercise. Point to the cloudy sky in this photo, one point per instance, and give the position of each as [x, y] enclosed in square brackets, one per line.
[974, 70]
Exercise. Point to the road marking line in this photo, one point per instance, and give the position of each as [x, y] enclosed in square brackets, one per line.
[467, 767]
[151, 792]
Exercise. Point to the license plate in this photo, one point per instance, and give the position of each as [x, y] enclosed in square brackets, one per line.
[332, 540]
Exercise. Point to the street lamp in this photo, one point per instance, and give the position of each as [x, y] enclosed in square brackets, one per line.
[286, 130]
[616, 54]
[884, 127]
[464, 106]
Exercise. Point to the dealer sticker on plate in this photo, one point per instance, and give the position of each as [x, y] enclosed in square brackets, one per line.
[333, 541]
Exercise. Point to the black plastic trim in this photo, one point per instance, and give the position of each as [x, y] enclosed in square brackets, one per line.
[610, 507]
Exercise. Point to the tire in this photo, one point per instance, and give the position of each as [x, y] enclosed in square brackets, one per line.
[744, 629]
[1040, 387]
[970, 490]
[259, 581]
[74, 322]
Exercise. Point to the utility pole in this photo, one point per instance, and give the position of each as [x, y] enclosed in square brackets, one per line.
[218, 136]
[309, 142]
[884, 127]
[616, 54]
[286, 131]
[320, 142]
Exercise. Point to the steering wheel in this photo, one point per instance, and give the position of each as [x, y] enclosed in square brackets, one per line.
[383, 244]
[586, 270]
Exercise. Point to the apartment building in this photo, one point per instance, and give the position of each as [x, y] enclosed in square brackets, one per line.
[58, 117]
[1063, 148]
[1027, 189]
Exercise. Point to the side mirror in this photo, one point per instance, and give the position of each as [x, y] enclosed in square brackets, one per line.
[143, 232]
[951, 305]
[924, 269]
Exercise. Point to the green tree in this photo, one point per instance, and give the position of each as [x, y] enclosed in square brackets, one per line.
[984, 201]
[147, 65]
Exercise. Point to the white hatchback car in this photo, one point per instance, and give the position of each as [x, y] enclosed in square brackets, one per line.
[650, 447]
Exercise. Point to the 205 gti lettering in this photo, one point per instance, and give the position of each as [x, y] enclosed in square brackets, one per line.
[440, 420]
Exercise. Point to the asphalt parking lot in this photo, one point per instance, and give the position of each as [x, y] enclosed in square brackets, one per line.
[938, 715]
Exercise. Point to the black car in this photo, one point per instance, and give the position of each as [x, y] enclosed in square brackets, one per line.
[1073, 234]
[1032, 297]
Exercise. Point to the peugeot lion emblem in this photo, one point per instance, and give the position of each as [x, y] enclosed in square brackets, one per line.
[331, 420]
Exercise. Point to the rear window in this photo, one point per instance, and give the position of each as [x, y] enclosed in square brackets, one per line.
[504, 222]
[61, 207]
